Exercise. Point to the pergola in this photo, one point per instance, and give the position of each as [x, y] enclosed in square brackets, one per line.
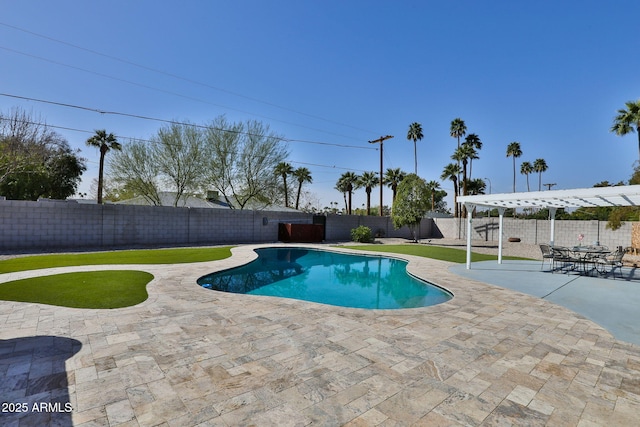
[622, 195]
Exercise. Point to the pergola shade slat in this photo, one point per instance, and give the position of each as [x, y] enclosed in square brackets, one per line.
[622, 195]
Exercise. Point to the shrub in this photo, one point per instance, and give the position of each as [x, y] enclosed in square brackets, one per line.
[361, 234]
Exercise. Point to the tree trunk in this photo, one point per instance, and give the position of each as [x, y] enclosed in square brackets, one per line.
[100, 175]
[298, 196]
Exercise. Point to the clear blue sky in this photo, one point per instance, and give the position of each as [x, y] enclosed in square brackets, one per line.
[549, 74]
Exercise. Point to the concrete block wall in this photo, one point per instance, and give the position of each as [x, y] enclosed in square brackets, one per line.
[339, 227]
[537, 231]
[43, 225]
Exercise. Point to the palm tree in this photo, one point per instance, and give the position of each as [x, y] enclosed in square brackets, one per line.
[451, 172]
[458, 129]
[539, 166]
[433, 186]
[476, 186]
[513, 150]
[104, 142]
[525, 169]
[626, 119]
[392, 178]
[284, 169]
[342, 187]
[415, 134]
[302, 175]
[348, 182]
[368, 180]
[462, 155]
[474, 141]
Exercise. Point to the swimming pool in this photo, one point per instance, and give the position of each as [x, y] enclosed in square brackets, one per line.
[328, 277]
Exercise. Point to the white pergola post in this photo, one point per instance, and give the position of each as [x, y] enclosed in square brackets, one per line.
[500, 218]
[469, 208]
[552, 216]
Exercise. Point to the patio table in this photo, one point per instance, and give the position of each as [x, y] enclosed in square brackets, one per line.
[585, 255]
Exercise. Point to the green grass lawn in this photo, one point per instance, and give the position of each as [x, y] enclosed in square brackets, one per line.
[151, 256]
[92, 289]
[435, 252]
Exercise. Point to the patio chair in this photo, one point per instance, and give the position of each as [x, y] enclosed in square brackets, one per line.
[612, 261]
[564, 256]
[547, 253]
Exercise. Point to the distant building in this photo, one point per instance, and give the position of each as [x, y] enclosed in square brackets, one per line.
[190, 201]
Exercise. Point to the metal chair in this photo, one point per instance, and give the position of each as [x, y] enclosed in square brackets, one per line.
[547, 253]
[612, 261]
[564, 256]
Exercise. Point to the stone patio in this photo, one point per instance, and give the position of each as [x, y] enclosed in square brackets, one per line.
[189, 356]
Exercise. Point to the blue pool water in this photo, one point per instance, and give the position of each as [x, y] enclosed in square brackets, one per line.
[329, 278]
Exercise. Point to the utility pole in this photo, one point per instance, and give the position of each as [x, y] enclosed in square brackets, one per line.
[381, 141]
[549, 185]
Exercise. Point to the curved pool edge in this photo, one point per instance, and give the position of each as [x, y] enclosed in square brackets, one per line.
[434, 272]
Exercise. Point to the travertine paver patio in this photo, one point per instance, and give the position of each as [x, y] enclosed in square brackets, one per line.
[189, 356]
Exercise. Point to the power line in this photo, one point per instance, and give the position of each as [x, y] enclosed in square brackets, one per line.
[169, 92]
[155, 142]
[138, 116]
[175, 76]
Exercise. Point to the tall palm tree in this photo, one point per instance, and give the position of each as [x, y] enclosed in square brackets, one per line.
[302, 175]
[342, 187]
[514, 150]
[392, 178]
[368, 180]
[432, 187]
[525, 169]
[415, 134]
[451, 172]
[626, 119]
[474, 141]
[104, 142]
[348, 182]
[463, 154]
[458, 129]
[283, 170]
[539, 166]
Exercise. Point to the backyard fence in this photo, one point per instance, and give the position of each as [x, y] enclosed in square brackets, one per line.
[54, 225]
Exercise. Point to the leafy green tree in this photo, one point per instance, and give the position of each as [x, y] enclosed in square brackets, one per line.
[348, 182]
[35, 161]
[415, 134]
[302, 175]
[539, 166]
[104, 142]
[627, 119]
[283, 170]
[411, 204]
[241, 159]
[392, 178]
[134, 172]
[526, 168]
[514, 150]
[180, 154]
[451, 172]
[368, 180]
